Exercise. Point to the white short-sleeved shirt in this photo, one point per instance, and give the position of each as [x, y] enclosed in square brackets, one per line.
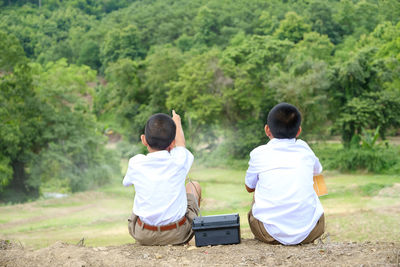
[159, 181]
[282, 174]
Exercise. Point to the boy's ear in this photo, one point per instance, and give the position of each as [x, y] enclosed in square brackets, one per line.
[171, 146]
[298, 132]
[144, 141]
[268, 131]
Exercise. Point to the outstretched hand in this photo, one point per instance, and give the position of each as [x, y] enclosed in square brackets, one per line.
[176, 118]
[179, 137]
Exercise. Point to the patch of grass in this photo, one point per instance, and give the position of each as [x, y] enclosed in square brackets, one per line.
[60, 204]
[372, 189]
[354, 209]
[365, 225]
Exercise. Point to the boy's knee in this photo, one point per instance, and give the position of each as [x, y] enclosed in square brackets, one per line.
[194, 188]
[194, 184]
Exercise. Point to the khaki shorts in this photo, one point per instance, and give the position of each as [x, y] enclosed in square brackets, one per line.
[180, 235]
[258, 229]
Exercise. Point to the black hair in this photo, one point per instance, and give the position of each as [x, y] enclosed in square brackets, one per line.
[160, 131]
[284, 121]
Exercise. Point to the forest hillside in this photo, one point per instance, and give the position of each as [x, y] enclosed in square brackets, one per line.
[75, 73]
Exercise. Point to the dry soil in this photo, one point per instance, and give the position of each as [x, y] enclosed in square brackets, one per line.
[249, 252]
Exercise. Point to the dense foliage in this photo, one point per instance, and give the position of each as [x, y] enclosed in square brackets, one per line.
[221, 64]
[49, 136]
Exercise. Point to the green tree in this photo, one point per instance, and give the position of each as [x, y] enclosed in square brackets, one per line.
[89, 54]
[20, 130]
[345, 16]
[20, 117]
[389, 10]
[370, 111]
[266, 24]
[10, 52]
[356, 76]
[119, 44]
[293, 27]
[161, 68]
[388, 54]
[74, 147]
[48, 35]
[123, 96]
[197, 94]
[206, 26]
[313, 46]
[48, 131]
[306, 89]
[323, 22]
[137, 89]
[366, 16]
[250, 62]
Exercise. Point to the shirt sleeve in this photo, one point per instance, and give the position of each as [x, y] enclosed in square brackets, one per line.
[131, 171]
[251, 178]
[317, 167]
[182, 157]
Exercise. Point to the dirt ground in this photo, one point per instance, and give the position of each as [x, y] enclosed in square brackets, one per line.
[249, 252]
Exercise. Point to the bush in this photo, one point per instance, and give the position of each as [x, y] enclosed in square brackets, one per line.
[379, 159]
[376, 160]
[326, 153]
[75, 165]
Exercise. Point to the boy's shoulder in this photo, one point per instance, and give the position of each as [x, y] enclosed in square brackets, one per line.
[258, 150]
[301, 143]
[137, 159]
[175, 153]
[304, 144]
[179, 149]
[276, 143]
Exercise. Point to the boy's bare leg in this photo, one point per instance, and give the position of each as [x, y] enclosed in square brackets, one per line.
[195, 189]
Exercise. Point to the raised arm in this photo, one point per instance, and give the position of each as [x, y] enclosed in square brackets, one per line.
[180, 137]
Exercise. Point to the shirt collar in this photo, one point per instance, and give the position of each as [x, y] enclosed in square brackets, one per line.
[158, 154]
[286, 141]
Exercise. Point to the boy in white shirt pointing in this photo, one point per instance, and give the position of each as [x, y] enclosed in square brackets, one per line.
[286, 210]
[163, 208]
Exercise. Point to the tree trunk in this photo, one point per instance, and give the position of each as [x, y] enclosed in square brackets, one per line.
[20, 177]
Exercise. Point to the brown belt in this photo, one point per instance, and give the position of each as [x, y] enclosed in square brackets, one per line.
[163, 227]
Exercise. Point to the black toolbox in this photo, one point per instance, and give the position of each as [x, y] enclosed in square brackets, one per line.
[217, 229]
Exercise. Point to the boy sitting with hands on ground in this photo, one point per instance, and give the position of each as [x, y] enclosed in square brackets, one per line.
[286, 210]
[163, 208]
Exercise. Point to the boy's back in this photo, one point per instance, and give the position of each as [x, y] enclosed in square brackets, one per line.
[281, 173]
[159, 180]
[286, 208]
[163, 208]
